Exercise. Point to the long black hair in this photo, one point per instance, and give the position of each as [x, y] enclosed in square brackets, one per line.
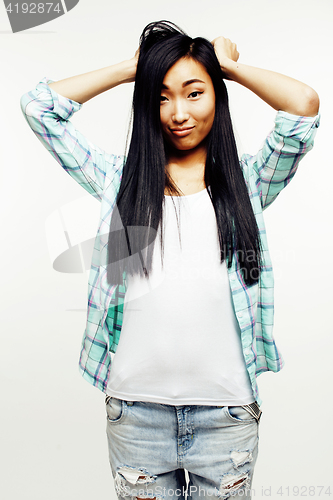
[139, 204]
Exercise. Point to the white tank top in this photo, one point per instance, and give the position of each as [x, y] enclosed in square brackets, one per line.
[180, 339]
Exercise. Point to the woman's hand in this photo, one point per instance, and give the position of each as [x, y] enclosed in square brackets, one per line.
[225, 50]
[134, 62]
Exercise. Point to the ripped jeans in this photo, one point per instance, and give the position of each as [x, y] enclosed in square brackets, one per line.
[176, 452]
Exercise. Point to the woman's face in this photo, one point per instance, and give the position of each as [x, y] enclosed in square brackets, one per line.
[187, 104]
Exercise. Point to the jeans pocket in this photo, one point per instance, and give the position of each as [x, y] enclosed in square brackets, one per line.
[239, 414]
[114, 409]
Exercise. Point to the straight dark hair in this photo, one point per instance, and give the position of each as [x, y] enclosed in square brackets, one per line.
[139, 204]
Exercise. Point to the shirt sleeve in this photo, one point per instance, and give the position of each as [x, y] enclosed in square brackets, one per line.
[48, 114]
[276, 162]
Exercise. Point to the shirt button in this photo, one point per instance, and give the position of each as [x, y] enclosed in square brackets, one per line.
[240, 314]
[233, 277]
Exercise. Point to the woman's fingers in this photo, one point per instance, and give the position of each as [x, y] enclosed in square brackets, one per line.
[225, 49]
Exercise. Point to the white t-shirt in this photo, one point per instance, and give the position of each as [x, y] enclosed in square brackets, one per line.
[180, 340]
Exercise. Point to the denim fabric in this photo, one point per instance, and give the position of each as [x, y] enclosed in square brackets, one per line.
[151, 446]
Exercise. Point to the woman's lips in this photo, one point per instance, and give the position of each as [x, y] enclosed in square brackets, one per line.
[181, 132]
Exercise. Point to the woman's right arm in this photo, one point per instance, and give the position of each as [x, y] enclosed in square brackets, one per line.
[83, 87]
[48, 109]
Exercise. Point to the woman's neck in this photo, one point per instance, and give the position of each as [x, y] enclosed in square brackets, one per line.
[187, 159]
[187, 170]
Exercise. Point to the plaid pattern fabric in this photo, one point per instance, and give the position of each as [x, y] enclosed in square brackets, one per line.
[99, 173]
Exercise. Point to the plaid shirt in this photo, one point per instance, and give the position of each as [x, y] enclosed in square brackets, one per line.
[266, 174]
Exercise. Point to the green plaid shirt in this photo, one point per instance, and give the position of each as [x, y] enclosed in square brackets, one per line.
[99, 173]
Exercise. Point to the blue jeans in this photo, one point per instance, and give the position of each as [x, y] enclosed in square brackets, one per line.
[162, 451]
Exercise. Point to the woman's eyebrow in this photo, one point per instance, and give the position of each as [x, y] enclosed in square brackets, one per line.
[194, 80]
[185, 84]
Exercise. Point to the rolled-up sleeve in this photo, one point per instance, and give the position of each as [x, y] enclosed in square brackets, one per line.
[48, 115]
[276, 162]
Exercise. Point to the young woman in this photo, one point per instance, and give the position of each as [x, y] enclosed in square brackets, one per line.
[181, 285]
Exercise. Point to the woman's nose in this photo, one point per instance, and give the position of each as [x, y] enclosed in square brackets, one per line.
[180, 113]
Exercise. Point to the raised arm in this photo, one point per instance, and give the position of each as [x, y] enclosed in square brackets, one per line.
[48, 109]
[83, 87]
[279, 91]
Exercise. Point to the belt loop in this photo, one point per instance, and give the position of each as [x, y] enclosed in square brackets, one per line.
[254, 410]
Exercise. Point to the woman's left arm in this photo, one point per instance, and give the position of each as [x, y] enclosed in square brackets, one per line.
[279, 91]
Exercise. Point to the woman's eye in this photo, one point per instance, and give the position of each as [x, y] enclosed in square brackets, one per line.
[195, 93]
[163, 98]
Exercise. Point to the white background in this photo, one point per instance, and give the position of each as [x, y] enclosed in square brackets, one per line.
[53, 442]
